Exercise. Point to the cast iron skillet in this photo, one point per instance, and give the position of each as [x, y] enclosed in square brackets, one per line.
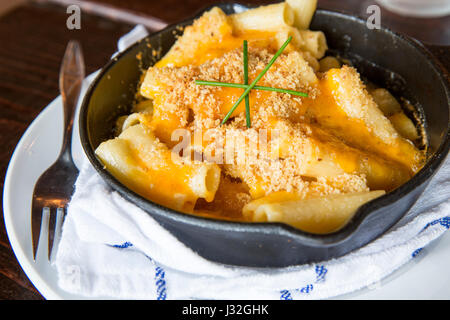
[402, 65]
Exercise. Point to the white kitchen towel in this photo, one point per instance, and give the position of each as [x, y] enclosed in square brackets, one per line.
[111, 248]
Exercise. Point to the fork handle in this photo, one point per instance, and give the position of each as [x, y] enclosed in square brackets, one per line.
[69, 110]
[70, 82]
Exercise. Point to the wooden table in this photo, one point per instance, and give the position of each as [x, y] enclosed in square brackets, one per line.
[33, 37]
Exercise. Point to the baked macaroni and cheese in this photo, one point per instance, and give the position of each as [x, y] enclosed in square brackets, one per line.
[246, 119]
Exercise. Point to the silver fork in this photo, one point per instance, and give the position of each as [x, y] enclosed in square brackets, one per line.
[55, 186]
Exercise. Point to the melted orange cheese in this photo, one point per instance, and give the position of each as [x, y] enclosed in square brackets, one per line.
[218, 46]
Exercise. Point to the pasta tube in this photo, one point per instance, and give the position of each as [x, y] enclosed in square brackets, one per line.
[313, 42]
[303, 12]
[404, 126]
[317, 215]
[328, 63]
[386, 101]
[144, 164]
[136, 118]
[266, 18]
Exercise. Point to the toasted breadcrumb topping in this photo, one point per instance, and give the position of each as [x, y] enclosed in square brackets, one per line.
[181, 93]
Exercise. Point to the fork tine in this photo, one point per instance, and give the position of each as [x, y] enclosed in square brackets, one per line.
[51, 230]
[42, 246]
[36, 219]
[56, 234]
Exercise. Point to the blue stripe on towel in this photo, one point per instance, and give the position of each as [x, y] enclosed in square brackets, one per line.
[416, 252]
[160, 283]
[445, 222]
[306, 289]
[321, 271]
[285, 295]
[123, 245]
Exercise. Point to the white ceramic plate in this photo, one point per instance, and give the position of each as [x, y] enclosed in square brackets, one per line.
[426, 277]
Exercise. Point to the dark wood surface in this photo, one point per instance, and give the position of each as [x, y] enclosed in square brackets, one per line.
[33, 38]
[436, 31]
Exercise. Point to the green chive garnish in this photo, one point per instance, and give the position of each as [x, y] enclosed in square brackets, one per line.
[243, 86]
[247, 98]
[253, 85]
[250, 87]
